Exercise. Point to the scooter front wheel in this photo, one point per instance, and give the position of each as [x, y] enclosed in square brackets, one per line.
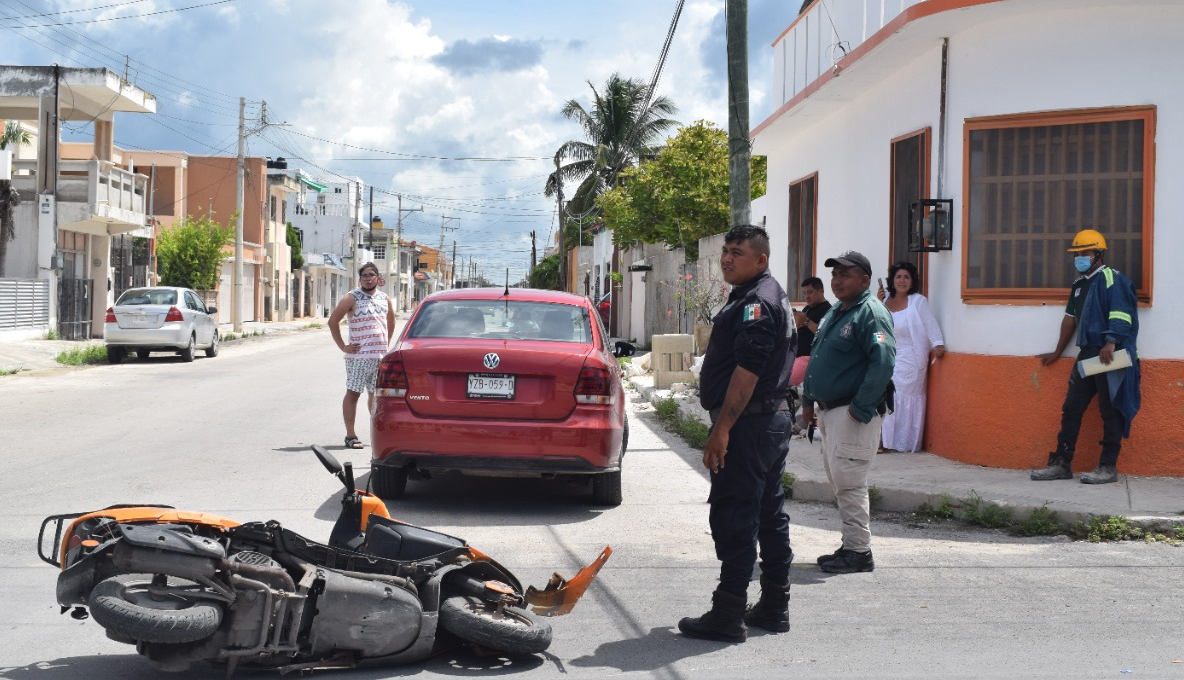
[510, 630]
[147, 608]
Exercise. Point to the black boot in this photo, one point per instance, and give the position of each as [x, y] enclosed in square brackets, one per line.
[725, 621]
[771, 612]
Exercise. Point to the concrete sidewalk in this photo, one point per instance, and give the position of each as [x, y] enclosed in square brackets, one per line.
[906, 480]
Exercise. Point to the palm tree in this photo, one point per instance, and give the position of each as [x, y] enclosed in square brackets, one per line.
[623, 125]
[14, 134]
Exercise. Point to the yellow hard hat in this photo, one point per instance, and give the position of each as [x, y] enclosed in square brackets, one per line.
[1088, 239]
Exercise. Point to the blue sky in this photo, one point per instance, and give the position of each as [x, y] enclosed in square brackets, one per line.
[440, 78]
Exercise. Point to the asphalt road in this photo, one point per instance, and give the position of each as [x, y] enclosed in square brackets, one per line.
[230, 435]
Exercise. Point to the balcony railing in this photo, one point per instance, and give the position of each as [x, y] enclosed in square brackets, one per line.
[324, 209]
[111, 191]
[822, 35]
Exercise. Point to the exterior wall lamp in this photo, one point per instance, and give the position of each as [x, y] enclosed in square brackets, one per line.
[930, 225]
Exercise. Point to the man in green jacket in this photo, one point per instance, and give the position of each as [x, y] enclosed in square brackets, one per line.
[846, 382]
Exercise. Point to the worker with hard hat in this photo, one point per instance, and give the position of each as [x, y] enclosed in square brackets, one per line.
[1103, 314]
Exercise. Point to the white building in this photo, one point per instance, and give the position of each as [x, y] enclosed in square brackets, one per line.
[329, 217]
[1036, 118]
[77, 219]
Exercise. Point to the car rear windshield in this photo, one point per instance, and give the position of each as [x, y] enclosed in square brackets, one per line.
[148, 296]
[502, 319]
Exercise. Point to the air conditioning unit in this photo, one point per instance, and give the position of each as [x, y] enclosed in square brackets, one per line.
[320, 198]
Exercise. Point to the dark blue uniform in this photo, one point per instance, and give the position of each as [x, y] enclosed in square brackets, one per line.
[752, 331]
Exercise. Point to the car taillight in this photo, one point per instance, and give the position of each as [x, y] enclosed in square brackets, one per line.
[594, 386]
[173, 315]
[110, 315]
[392, 377]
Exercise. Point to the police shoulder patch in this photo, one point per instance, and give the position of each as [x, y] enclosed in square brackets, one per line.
[752, 312]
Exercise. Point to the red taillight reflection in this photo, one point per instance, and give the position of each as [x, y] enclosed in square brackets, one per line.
[174, 315]
[110, 318]
[594, 386]
[392, 376]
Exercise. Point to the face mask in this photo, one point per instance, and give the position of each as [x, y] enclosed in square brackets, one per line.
[1082, 263]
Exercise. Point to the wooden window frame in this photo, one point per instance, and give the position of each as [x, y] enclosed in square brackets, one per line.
[813, 257]
[1147, 114]
[926, 134]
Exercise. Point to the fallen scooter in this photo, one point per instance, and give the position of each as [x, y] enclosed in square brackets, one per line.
[190, 586]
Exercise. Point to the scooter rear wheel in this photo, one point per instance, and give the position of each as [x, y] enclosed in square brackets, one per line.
[130, 607]
[513, 630]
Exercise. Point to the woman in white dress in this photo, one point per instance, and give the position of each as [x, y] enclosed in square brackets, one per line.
[918, 342]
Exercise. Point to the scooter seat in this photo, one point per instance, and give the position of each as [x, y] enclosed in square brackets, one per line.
[395, 540]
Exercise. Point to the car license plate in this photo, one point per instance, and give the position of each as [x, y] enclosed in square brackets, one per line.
[491, 386]
[139, 319]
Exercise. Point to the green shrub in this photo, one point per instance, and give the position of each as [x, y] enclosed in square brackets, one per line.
[51, 334]
[874, 497]
[693, 431]
[314, 324]
[990, 515]
[1039, 522]
[10, 371]
[787, 480]
[667, 410]
[77, 356]
[1101, 528]
[944, 509]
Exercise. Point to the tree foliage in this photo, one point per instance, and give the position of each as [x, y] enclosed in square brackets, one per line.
[621, 127]
[681, 195]
[190, 253]
[293, 236]
[545, 274]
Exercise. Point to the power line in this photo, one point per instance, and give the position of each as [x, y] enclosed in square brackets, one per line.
[132, 16]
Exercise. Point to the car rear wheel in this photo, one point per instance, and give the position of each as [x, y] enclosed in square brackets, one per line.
[189, 351]
[606, 487]
[390, 481]
[114, 355]
[143, 353]
[212, 350]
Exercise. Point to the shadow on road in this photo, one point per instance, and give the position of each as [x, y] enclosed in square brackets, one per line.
[476, 501]
[659, 648]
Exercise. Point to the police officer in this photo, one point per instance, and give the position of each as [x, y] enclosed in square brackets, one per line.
[850, 367]
[743, 385]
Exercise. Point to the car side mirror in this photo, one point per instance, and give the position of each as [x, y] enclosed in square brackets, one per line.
[623, 349]
[211, 310]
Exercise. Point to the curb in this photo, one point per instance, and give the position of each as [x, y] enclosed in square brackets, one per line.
[906, 495]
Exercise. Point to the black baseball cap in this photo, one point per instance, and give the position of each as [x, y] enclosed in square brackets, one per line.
[850, 259]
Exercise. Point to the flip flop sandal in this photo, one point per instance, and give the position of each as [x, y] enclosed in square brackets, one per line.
[352, 442]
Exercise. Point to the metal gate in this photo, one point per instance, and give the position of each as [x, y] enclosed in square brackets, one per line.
[74, 311]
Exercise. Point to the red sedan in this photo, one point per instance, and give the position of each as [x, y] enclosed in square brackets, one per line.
[502, 382]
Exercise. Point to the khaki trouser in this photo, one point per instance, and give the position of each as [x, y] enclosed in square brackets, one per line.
[848, 449]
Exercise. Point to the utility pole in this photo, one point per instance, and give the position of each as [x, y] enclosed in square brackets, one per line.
[562, 254]
[533, 252]
[452, 276]
[399, 252]
[236, 300]
[357, 231]
[739, 153]
[440, 250]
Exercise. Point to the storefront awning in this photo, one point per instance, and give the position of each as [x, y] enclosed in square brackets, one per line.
[423, 276]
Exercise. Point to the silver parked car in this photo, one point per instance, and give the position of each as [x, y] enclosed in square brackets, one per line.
[160, 319]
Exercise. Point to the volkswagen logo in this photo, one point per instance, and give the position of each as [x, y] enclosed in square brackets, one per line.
[492, 360]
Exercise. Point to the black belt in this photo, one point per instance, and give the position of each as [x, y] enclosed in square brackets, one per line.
[762, 407]
[834, 403]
